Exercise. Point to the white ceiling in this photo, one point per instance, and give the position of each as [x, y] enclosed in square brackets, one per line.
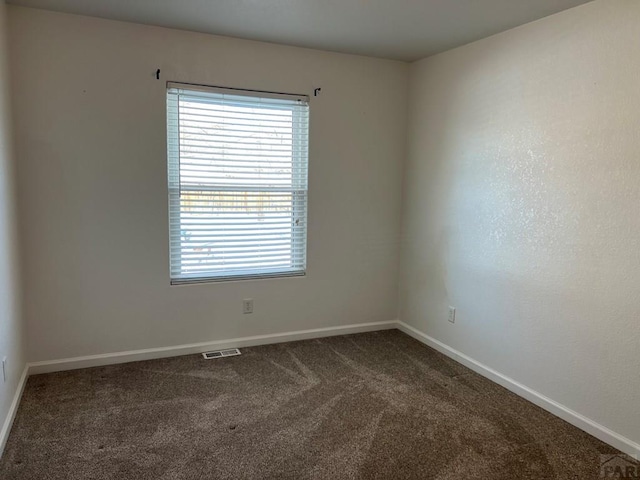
[398, 29]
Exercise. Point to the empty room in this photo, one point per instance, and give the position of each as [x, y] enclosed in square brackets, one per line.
[296, 239]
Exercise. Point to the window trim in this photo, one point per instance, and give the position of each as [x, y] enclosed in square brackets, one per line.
[175, 189]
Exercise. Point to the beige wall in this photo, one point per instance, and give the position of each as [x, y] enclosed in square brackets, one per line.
[90, 129]
[11, 329]
[522, 191]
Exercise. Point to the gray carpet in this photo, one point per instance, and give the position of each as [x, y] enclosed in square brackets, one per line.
[377, 405]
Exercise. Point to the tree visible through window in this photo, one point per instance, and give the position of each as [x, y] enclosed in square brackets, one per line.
[237, 183]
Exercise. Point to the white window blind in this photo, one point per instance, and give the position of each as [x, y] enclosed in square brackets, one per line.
[237, 183]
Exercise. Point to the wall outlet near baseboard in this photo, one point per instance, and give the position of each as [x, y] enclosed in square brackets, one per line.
[452, 314]
[247, 305]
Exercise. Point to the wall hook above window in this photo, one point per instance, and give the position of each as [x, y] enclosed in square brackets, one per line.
[316, 91]
[158, 74]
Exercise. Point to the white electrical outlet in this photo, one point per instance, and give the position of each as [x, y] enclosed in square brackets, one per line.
[4, 369]
[247, 305]
[452, 314]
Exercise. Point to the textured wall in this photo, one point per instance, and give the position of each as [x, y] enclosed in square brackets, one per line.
[91, 139]
[11, 329]
[522, 190]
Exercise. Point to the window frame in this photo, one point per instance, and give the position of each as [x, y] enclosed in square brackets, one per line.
[299, 188]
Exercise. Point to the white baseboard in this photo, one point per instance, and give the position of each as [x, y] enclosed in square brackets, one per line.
[177, 350]
[583, 423]
[13, 409]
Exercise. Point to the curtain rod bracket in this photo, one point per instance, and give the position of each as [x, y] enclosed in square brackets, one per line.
[316, 91]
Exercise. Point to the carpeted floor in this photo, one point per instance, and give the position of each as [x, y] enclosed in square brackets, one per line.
[377, 405]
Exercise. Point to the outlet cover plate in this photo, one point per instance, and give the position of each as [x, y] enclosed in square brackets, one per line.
[247, 305]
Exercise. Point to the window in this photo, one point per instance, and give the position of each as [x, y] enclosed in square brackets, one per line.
[237, 183]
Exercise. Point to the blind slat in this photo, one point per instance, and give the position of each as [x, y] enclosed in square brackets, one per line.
[218, 236]
[238, 132]
[217, 190]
